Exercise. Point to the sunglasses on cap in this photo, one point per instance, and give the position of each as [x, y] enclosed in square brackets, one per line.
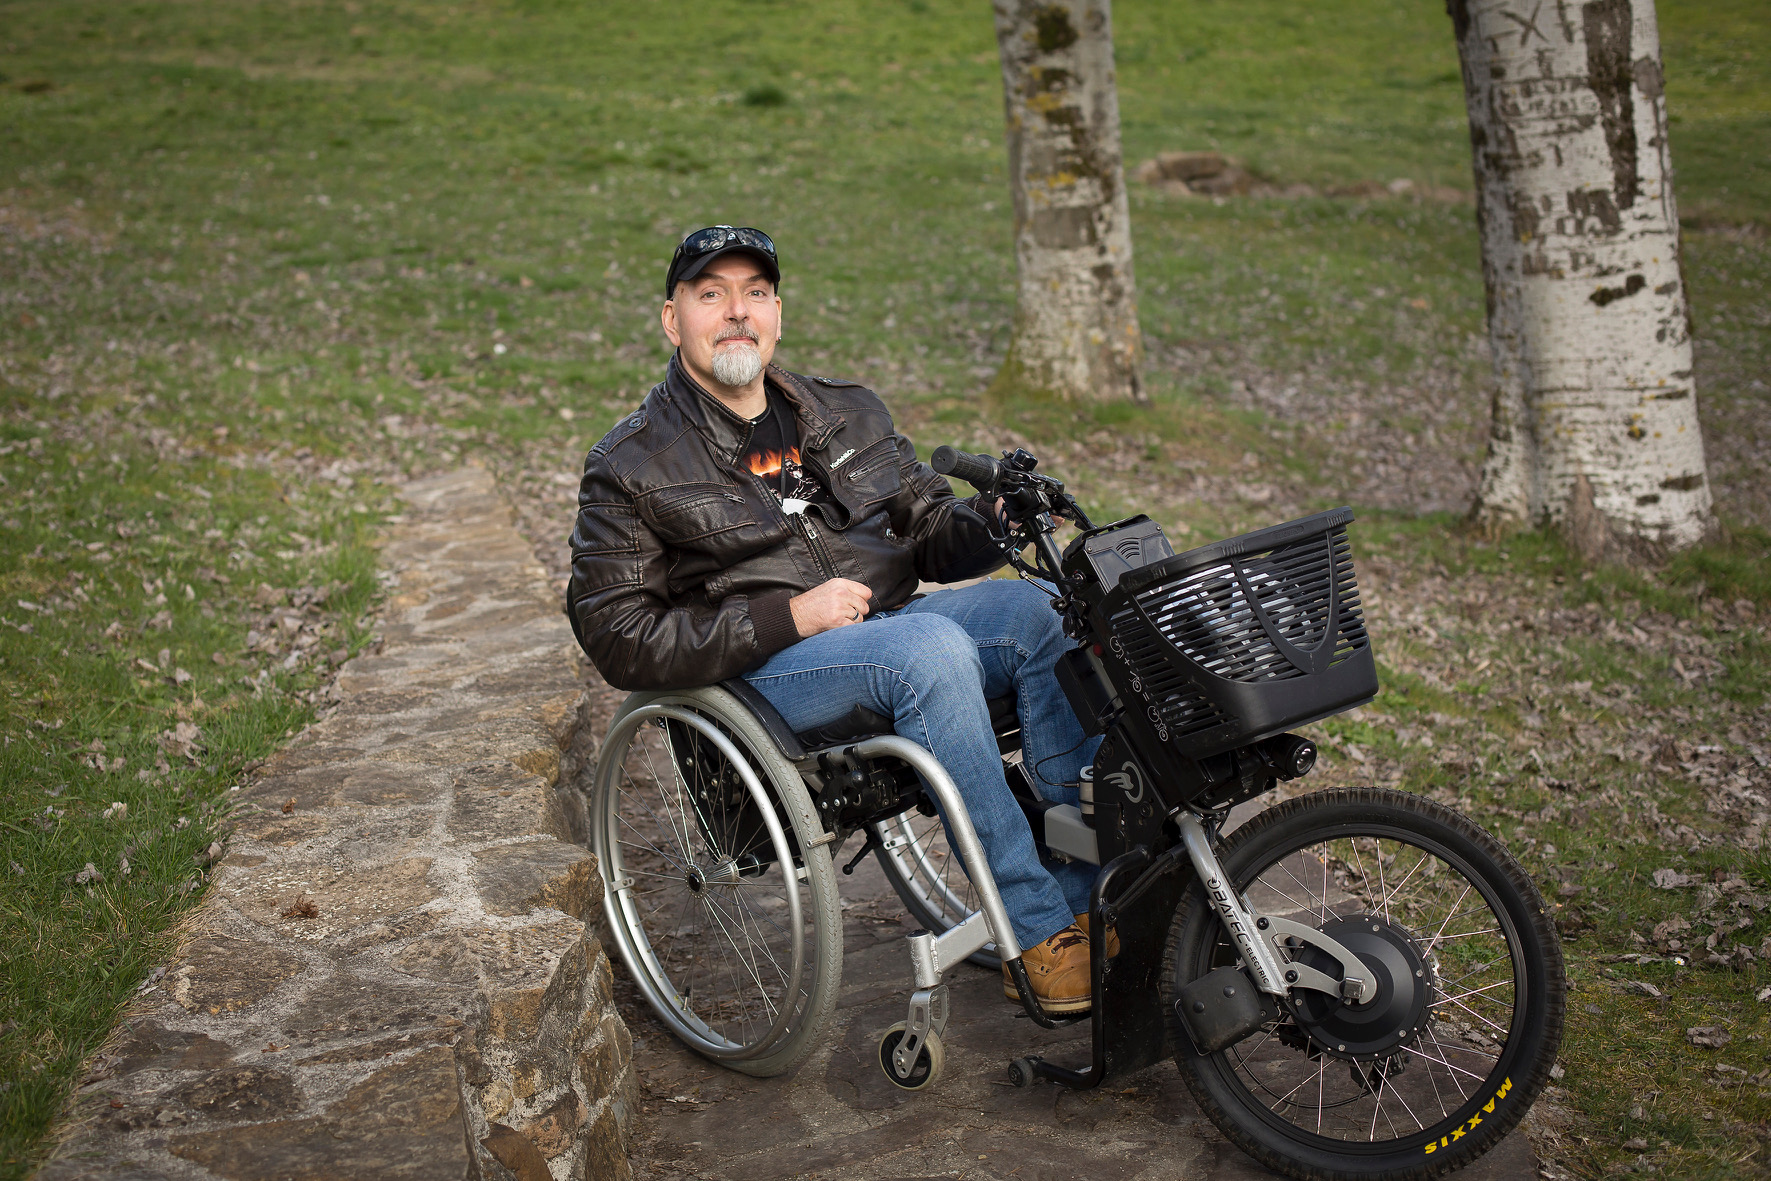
[703, 246]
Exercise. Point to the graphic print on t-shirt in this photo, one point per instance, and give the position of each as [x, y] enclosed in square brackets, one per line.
[797, 482]
[773, 455]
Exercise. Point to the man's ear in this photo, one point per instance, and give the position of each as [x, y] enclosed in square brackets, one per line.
[667, 317]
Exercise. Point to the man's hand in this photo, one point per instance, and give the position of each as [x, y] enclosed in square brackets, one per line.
[1007, 522]
[836, 603]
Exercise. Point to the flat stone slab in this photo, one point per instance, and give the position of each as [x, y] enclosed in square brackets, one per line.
[391, 975]
[839, 1117]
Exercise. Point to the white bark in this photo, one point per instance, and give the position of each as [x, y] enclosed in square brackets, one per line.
[1076, 318]
[1595, 426]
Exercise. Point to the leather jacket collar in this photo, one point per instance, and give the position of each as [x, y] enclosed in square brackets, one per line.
[726, 432]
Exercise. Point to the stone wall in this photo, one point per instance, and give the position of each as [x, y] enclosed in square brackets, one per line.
[392, 974]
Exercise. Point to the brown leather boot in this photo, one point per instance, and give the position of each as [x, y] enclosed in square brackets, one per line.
[1059, 972]
[1112, 948]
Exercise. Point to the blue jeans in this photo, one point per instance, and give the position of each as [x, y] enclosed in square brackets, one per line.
[931, 666]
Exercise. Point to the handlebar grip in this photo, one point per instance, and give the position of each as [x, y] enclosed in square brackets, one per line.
[980, 471]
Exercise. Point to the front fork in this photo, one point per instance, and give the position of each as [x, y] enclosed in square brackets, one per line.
[1259, 939]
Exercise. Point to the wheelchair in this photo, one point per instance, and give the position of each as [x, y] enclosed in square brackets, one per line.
[1357, 983]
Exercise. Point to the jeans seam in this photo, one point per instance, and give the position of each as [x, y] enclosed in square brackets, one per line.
[825, 668]
[927, 740]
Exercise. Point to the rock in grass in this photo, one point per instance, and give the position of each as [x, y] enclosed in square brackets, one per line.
[1712, 1037]
[1672, 879]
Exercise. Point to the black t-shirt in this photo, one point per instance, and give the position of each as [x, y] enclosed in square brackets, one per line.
[773, 454]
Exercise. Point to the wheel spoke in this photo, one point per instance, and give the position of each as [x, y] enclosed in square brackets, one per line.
[1398, 887]
[1484, 988]
[1478, 1016]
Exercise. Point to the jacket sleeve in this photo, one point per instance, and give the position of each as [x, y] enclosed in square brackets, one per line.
[954, 538]
[619, 603]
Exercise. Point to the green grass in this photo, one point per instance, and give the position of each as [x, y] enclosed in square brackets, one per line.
[244, 241]
[1544, 702]
[131, 582]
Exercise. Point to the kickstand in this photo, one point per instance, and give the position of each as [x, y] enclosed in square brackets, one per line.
[873, 842]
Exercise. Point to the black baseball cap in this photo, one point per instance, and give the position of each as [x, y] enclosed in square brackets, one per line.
[701, 247]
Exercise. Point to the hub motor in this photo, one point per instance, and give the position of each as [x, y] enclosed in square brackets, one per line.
[1392, 1017]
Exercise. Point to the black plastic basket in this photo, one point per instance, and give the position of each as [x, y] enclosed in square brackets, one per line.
[1245, 638]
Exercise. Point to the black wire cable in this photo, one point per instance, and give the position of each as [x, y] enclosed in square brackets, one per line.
[1038, 775]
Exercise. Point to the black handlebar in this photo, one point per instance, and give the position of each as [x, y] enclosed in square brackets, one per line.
[980, 471]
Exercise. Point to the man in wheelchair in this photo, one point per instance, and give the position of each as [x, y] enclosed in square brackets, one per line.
[747, 522]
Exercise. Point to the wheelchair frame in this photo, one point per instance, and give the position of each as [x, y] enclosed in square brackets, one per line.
[1134, 896]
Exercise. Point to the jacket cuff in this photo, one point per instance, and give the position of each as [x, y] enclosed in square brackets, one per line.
[771, 621]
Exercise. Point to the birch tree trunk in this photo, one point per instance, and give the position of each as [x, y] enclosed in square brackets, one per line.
[1076, 316]
[1595, 428]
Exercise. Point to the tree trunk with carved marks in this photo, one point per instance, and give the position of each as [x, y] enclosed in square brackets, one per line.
[1595, 427]
[1076, 316]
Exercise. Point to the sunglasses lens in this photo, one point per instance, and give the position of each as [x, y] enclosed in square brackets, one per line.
[704, 242]
[717, 237]
[756, 239]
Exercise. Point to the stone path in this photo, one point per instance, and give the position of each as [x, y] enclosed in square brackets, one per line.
[391, 976]
[839, 1117]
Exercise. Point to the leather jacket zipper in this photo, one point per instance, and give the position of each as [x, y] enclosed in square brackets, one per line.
[886, 460]
[815, 542]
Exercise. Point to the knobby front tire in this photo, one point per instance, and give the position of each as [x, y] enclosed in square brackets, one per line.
[1468, 971]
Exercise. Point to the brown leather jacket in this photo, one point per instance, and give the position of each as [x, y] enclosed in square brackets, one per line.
[683, 562]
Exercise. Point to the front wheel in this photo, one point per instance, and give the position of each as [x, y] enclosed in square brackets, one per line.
[1459, 1039]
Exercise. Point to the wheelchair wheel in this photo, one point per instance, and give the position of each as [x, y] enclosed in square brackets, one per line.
[929, 876]
[1460, 1036]
[929, 1060]
[733, 935]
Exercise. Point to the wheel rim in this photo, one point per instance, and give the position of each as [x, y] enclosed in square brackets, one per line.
[917, 852]
[716, 944]
[1473, 973]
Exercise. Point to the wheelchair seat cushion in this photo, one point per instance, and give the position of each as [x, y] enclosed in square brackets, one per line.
[853, 726]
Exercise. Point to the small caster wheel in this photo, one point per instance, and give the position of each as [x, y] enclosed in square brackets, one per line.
[1021, 1072]
[924, 1071]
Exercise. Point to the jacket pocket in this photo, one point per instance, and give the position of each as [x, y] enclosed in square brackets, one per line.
[871, 476]
[691, 512]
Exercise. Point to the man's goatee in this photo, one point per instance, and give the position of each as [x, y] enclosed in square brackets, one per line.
[737, 366]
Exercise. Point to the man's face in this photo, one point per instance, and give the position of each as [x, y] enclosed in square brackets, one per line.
[725, 320]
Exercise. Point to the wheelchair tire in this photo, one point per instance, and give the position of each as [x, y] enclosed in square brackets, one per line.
[730, 932]
[1466, 961]
[929, 877]
[929, 1060]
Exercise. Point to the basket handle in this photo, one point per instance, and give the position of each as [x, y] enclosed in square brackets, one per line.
[1311, 661]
